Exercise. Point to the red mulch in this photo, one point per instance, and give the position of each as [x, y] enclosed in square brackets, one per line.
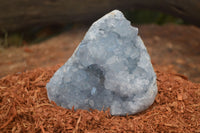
[24, 107]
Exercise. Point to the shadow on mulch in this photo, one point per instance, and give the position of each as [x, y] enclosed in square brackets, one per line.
[24, 107]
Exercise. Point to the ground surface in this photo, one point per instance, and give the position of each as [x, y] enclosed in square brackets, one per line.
[24, 107]
[174, 48]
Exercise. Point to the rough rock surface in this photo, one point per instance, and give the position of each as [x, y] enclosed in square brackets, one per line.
[110, 68]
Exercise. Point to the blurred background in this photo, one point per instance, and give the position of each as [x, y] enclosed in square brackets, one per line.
[37, 34]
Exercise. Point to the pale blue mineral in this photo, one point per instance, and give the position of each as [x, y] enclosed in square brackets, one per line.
[110, 68]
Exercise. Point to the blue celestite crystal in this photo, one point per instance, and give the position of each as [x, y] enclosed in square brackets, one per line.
[110, 68]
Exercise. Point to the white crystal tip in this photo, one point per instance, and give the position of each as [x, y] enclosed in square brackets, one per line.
[116, 13]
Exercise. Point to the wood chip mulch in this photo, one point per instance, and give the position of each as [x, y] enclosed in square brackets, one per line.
[24, 107]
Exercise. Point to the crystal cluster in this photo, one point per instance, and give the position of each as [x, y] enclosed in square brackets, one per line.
[110, 68]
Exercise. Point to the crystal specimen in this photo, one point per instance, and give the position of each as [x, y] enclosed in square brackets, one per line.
[110, 68]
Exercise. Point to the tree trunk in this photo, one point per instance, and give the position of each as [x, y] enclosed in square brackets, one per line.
[17, 14]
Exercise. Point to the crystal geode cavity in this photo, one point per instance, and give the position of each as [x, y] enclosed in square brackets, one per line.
[110, 68]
